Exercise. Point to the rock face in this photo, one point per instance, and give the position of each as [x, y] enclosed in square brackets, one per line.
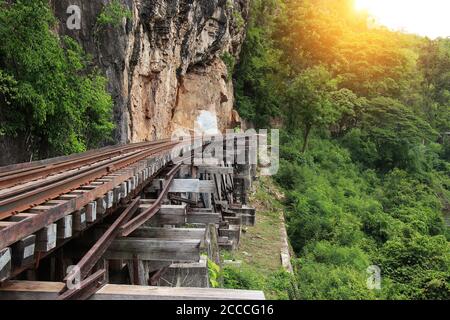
[164, 64]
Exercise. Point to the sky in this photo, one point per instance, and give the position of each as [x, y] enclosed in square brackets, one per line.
[429, 18]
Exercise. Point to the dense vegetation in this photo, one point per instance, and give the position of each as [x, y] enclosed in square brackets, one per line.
[50, 94]
[365, 158]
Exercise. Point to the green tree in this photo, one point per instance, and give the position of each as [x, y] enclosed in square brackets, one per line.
[309, 102]
[48, 92]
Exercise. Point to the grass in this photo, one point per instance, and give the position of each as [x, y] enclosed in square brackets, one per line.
[261, 245]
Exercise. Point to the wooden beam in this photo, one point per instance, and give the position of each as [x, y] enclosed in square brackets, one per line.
[101, 206]
[154, 249]
[23, 251]
[91, 212]
[169, 233]
[203, 218]
[46, 238]
[167, 209]
[5, 263]
[215, 169]
[64, 228]
[186, 186]
[27, 290]
[79, 220]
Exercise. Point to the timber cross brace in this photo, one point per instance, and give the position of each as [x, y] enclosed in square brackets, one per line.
[140, 214]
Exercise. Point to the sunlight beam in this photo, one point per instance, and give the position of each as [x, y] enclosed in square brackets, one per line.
[426, 18]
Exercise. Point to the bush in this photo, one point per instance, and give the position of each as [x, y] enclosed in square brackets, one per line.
[113, 14]
[48, 92]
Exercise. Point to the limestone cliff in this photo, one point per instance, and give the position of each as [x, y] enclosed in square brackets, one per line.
[164, 64]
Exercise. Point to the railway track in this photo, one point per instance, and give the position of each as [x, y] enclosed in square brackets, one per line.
[32, 171]
[42, 198]
[48, 182]
[127, 196]
[36, 195]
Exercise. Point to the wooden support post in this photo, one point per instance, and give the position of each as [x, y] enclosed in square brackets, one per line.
[64, 228]
[79, 220]
[109, 198]
[46, 238]
[154, 249]
[138, 272]
[101, 206]
[91, 212]
[117, 194]
[23, 251]
[5, 264]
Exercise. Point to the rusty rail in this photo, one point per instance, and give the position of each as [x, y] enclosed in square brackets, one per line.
[15, 177]
[147, 214]
[28, 199]
[86, 288]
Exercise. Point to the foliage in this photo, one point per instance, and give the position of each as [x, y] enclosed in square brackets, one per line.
[374, 106]
[278, 285]
[113, 14]
[342, 219]
[49, 94]
[241, 278]
[213, 273]
[230, 62]
[372, 187]
[308, 101]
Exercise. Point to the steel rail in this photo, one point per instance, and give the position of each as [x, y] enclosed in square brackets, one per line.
[20, 167]
[12, 178]
[23, 228]
[147, 214]
[85, 265]
[49, 181]
[86, 288]
[39, 195]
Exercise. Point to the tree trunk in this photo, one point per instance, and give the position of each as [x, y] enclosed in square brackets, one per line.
[306, 137]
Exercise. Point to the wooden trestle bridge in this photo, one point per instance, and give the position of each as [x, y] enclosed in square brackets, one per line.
[134, 221]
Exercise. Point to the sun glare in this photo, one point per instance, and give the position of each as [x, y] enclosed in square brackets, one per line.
[427, 18]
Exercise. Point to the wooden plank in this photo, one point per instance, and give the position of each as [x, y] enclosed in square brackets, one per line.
[6, 224]
[169, 233]
[203, 218]
[28, 290]
[233, 220]
[244, 209]
[148, 201]
[166, 209]
[187, 186]
[215, 169]
[173, 209]
[38, 209]
[161, 220]
[22, 216]
[154, 249]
